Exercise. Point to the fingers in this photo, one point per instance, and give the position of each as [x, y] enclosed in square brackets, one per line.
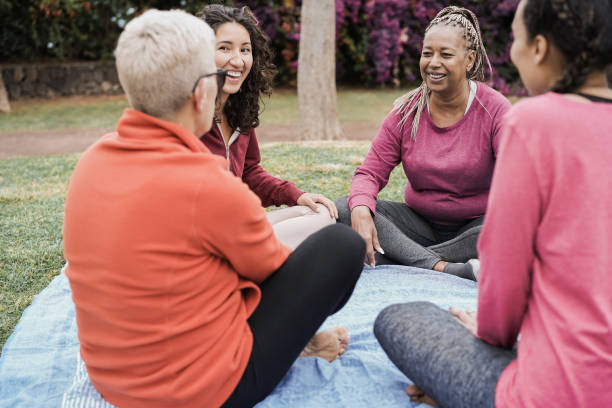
[375, 242]
[370, 254]
[310, 200]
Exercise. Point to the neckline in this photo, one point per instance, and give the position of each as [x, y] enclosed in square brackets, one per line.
[460, 121]
[594, 98]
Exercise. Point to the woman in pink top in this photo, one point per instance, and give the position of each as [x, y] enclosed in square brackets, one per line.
[445, 134]
[242, 49]
[546, 244]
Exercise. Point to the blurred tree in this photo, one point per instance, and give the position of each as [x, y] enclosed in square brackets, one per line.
[317, 72]
[4, 101]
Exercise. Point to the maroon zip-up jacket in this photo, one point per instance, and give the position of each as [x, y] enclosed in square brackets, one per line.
[242, 153]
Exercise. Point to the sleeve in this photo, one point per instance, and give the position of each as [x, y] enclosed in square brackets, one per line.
[506, 244]
[234, 226]
[373, 174]
[269, 189]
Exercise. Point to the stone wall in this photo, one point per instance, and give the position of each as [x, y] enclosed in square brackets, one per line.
[60, 79]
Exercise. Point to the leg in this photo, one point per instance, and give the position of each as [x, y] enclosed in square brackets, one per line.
[462, 247]
[440, 356]
[294, 224]
[316, 280]
[402, 234]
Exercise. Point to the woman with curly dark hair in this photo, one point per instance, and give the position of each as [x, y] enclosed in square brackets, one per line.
[242, 50]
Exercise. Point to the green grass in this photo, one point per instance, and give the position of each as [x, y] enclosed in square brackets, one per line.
[83, 113]
[79, 113]
[32, 192]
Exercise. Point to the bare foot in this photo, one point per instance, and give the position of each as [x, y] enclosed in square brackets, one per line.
[417, 395]
[329, 344]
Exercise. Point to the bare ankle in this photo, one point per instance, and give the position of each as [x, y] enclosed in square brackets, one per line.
[439, 266]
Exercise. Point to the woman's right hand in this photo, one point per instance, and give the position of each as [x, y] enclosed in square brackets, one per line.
[363, 223]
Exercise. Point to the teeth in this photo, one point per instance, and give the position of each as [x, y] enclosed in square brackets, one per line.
[234, 74]
[436, 76]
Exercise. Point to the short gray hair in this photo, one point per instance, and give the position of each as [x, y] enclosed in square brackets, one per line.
[159, 57]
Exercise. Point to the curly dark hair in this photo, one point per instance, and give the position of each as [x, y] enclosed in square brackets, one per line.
[580, 29]
[242, 108]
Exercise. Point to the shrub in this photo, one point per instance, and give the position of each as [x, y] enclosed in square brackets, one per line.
[377, 41]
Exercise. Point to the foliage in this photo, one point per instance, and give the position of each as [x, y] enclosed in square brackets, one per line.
[378, 41]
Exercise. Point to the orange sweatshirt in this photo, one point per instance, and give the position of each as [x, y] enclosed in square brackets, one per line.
[164, 250]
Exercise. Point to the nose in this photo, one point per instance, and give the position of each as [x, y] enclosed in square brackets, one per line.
[236, 60]
[435, 59]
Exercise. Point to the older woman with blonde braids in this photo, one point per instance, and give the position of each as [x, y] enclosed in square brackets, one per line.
[546, 242]
[446, 135]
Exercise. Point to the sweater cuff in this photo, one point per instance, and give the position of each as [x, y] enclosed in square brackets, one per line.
[293, 193]
[362, 199]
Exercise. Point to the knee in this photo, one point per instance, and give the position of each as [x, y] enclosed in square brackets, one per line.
[344, 213]
[347, 247]
[402, 318]
[345, 240]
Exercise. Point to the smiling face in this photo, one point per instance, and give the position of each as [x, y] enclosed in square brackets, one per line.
[445, 59]
[233, 52]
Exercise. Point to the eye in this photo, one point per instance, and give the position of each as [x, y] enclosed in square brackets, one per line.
[426, 54]
[223, 48]
[245, 50]
[446, 55]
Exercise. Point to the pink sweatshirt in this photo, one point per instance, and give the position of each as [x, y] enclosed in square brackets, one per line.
[448, 169]
[546, 255]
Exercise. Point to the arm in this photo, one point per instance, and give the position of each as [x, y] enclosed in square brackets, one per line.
[269, 189]
[234, 226]
[507, 242]
[373, 175]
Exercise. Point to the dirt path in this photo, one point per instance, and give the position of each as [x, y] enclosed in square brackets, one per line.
[32, 143]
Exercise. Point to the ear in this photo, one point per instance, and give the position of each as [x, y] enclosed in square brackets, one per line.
[199, 96]
[540, 49]
[470, 59]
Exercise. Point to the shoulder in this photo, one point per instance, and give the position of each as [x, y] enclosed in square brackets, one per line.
[534, 111]
[492, 99]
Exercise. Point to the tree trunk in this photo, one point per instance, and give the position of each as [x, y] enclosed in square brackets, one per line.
[317, 72]
[4, 100]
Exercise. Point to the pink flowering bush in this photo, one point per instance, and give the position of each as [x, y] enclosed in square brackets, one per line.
[377, 41]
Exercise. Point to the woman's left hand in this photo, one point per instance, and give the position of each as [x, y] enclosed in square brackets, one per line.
[311, 200]
[467, 318]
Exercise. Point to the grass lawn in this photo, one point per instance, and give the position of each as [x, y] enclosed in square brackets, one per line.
[81, 113]
[32, 191]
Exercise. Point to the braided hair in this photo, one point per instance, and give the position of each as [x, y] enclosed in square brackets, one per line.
[580, 29]
[454, 17]
[242, 108]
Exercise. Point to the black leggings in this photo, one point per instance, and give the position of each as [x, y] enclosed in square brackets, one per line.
[316, 281]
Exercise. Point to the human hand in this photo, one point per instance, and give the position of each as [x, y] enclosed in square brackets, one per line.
[467, 318]
[311, 200]
[362, 222]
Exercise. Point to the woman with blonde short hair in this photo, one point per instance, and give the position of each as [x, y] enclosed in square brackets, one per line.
[184, 296]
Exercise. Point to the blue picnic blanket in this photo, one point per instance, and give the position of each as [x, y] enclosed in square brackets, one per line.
[39, 365]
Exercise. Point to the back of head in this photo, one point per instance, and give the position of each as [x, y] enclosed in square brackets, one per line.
[159, 57]
[580, 29]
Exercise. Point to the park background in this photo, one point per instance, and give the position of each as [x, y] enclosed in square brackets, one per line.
[42, 41]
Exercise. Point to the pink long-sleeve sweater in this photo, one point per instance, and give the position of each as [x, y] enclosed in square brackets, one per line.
[448, 169]
[546, 254]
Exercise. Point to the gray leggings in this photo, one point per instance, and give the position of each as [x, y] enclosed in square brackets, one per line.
[440, 356]
[409, 239]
